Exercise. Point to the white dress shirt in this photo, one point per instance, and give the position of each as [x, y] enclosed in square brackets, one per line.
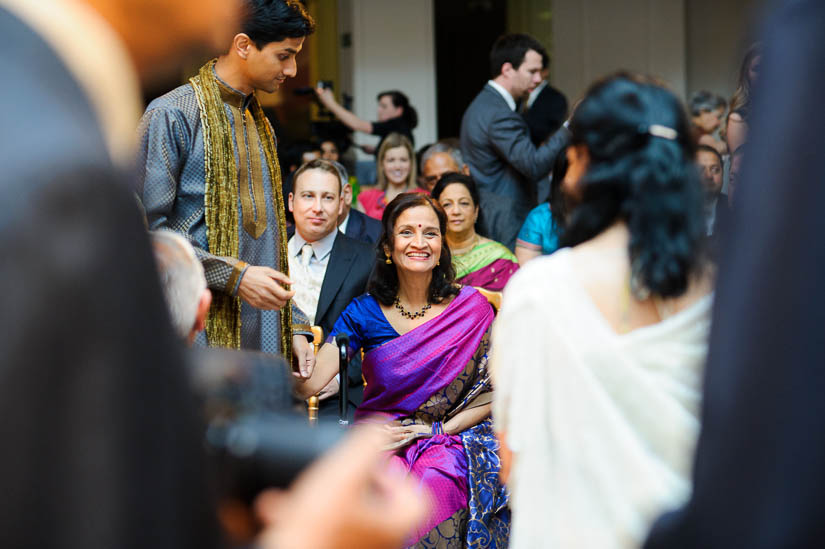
[535, 93]
[307, 270]
[343, 226]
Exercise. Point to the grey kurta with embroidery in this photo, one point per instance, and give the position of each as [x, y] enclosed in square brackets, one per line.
[171, 178]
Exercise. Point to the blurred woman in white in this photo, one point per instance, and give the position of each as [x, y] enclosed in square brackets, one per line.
[599, 348]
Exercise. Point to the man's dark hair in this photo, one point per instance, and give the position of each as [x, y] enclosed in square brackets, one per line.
[268, 21]
[708, 148]
[545, 61]
[511, 48]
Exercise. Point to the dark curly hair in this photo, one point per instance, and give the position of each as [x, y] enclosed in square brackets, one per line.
[454, 177]
[641, 171]
[383, 283]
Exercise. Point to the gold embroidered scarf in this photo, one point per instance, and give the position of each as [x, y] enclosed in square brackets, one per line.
[223, 325]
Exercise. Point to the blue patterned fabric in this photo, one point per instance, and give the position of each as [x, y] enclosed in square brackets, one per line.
[539, 231]
[489, 522]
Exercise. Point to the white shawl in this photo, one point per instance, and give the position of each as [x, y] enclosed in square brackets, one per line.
[602, 426]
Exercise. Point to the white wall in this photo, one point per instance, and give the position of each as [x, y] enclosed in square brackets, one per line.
[393, 46]
[592, 38]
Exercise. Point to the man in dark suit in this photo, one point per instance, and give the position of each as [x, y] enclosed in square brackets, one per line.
[353, 223]
[328, 268]
[495, 139]
[545, 108]
[359, 226]
[758, 475]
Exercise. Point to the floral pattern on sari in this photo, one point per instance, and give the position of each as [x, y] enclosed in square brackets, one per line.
[486, 522]
[489, 521]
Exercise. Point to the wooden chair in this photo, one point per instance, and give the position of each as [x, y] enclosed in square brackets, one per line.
[493, 298]
[313, 401]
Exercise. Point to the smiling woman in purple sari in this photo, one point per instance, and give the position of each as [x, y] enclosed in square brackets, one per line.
[426, 342]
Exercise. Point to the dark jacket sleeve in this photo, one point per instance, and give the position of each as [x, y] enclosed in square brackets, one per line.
[510, 137]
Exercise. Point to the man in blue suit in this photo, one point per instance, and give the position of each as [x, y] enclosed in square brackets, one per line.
[495, 139]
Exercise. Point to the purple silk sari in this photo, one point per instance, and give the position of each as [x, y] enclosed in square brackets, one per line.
[430, 374]
[491, 277]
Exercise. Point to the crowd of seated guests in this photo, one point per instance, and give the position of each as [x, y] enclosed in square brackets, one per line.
[607, 208]
[394, 268]
[404, 295]
[566, 417]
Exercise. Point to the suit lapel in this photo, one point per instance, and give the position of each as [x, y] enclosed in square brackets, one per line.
[338, 268]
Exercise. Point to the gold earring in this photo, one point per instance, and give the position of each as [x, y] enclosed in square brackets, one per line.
[437, 263]
[388, 261]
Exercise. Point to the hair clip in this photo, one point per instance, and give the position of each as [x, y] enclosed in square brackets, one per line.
[657, 130]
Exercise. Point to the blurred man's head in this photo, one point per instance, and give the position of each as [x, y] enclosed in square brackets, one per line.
[710, 169]
[183, 283]
[516, 63]
[438, 160]
[315, 200]
[264, 53]
[160, 34]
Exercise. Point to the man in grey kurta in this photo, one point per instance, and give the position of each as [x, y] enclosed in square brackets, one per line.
[172, 171]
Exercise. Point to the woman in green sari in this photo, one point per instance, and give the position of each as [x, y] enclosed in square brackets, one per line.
[478, 261]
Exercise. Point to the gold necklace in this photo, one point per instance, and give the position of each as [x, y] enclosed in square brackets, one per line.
[406, 314]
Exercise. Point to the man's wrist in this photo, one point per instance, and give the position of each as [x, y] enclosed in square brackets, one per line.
[234, 282]
[303, 330]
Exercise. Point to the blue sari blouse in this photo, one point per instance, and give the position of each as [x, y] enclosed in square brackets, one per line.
[364, 323]
[539, 231]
